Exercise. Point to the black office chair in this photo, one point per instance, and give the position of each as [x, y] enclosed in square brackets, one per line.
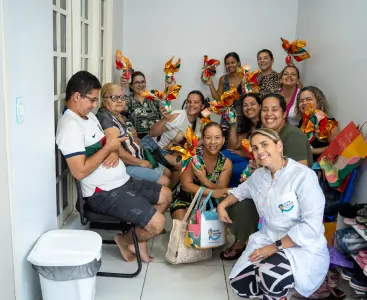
[87, 215]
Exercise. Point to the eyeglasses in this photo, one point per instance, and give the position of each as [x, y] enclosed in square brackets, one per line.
[92, 100]
[116, 98]
[139, 82]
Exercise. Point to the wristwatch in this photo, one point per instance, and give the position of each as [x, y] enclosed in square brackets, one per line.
[278, 243]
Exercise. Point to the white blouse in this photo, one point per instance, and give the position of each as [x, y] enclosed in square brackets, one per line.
[292, 116]
[291, 204]
[177, 127]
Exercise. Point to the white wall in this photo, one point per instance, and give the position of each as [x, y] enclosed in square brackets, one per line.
[29, 73]
[153, 31]
[7, 287]
[117, 33]
[336, 32]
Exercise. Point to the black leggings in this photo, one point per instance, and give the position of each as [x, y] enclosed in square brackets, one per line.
[257, 280]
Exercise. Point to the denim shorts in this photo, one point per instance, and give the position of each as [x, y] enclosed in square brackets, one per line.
[145, 173]
[149, 143]
[132, 202]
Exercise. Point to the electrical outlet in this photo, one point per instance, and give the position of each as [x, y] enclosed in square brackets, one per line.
[20, 110]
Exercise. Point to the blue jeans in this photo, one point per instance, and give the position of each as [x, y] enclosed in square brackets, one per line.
[239, 164]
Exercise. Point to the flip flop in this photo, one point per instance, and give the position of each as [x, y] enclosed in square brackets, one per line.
[349, 221]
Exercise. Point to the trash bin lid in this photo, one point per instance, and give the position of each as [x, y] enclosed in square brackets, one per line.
[66, 248]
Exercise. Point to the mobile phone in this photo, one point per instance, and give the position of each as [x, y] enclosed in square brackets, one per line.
[124, 135]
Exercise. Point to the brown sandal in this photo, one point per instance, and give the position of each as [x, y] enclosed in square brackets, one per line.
[237, 253]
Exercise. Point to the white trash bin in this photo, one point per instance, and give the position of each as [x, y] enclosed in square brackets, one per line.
[67, 262]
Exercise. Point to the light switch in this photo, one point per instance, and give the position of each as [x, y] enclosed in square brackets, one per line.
[20, 110]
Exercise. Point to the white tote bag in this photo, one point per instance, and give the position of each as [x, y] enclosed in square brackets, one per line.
[177, 252]
[205, 230]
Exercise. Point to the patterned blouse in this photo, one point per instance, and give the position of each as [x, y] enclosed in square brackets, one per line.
[237, 107]
[143, 116]
[182, 199]
[269, 83]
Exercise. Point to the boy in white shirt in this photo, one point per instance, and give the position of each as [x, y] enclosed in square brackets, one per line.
[94, 161]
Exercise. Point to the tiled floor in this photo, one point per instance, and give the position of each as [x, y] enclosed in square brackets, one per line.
[160, 280]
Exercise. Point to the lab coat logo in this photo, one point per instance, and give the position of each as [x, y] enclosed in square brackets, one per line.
[214, 234]
[287, 206]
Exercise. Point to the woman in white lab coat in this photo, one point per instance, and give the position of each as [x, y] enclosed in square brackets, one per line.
[289, 250]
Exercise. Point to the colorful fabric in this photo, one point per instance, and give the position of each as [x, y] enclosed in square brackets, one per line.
[317, 125]
[78, 136]
[345, 153]
[182, 199]
[143, 116]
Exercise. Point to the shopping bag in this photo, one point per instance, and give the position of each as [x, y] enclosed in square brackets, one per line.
[177, 252]
[346, 152]
[205, 230]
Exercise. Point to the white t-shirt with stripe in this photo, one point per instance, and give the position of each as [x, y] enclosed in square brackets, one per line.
[77, 136]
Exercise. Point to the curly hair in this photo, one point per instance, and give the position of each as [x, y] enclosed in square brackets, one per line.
[322, 103]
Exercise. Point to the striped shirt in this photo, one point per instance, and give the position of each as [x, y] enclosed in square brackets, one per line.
[131, 145]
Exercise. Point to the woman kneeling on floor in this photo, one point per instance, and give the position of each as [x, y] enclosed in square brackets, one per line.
[214, 174]
[289, 250]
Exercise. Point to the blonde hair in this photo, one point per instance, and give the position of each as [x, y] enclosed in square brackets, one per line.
[107, 87]
[270, 133]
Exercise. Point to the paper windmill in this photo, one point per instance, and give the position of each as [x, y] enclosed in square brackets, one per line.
[209, 68]
[123, 63]
[170, 69]
[295, 51]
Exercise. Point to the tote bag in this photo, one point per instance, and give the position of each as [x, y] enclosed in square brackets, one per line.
[205, 230]
[346, 152]
[177, 252]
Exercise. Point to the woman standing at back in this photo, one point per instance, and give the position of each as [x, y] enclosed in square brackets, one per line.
[269, 80]
[232, 62]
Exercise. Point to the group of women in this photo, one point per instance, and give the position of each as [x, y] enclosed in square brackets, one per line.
[278, 227]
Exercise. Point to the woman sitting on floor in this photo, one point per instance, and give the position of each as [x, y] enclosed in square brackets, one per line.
[312, 97]
[215, 173]
[295, 146]
[289, 250]
[131, 152]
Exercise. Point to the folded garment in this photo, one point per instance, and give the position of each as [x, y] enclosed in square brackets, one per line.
[359, 282]
[354, 248]
[353, 238]
[347, 273]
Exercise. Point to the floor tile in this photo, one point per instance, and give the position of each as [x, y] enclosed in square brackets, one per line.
[159, 250]
[109, 288]
[182, 282]
[159, 247]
